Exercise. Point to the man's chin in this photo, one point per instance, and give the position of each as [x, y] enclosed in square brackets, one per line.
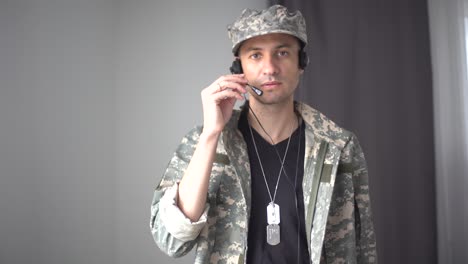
[267, 99]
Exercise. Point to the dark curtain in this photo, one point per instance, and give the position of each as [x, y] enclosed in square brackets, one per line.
[370, 71]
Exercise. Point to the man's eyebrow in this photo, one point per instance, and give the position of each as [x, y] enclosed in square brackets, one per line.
[253, 48]
[279, 46]
[285, 45]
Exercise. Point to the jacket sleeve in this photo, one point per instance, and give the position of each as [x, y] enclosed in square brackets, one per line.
[173, 232]
[365, 236]
[350, 234]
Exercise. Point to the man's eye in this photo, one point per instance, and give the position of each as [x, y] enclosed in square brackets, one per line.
[283, 53]
[255, 56]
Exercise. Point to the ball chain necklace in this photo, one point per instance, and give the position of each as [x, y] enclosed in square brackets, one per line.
[273, 210]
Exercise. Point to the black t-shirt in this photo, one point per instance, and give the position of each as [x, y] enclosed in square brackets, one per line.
[293, 241]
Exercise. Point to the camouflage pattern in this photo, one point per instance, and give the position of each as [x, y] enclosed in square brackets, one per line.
[338, 225]
[276, 19]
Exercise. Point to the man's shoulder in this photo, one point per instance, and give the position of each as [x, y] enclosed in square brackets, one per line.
[234, 120]
[190, 139]
[193, 135]
[322, 127]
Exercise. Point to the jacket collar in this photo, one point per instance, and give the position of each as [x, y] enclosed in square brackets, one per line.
[321, 126]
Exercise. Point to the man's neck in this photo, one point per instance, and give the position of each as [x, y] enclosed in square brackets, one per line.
[278, 120]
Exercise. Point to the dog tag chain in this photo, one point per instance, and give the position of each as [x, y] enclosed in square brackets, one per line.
[273, 210]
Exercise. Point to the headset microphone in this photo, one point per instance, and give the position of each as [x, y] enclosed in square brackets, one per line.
[236, 68]
[256, 90]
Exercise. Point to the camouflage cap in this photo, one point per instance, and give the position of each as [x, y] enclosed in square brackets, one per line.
[275, 19]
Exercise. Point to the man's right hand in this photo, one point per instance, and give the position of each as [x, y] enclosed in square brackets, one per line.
[218, 101]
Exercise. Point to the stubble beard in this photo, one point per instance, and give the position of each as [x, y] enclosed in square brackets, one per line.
[277, 101]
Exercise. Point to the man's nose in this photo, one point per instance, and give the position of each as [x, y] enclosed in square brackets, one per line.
[270, 65]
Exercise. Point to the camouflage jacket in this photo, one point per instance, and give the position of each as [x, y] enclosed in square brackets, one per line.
[336, 198]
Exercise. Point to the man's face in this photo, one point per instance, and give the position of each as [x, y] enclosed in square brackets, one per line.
[270, 62]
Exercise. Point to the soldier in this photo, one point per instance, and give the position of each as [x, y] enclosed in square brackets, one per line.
[274, 182]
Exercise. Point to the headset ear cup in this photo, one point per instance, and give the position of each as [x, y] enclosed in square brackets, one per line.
[236, 67]
[303, 59]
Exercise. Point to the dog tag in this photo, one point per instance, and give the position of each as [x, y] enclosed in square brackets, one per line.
[273, 234]
[273, 214]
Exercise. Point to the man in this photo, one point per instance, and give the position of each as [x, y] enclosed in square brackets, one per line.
[276, 182]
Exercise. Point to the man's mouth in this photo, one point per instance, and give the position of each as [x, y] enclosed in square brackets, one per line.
[271, 84]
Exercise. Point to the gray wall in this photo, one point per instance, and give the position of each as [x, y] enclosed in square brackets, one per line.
[57, 132]
[94, 97]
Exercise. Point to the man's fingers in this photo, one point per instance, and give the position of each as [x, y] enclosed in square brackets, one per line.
[236, 82]
[228, 93]
[228, 85]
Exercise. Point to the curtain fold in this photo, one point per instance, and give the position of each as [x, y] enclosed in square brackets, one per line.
[370, 71]
[448, 28]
